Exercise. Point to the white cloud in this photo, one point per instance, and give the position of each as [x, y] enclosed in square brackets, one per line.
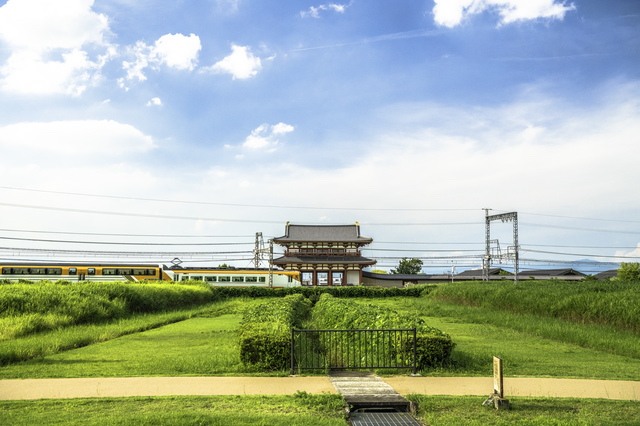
[241, 63]
[314, 11]
[265, 137]
[173, 50]
[450, 13]
[46, 41]
[96, 140]
[624, 256]
[178, 51]
[154, 102]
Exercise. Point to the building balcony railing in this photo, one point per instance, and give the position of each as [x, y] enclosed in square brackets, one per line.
[322, 252]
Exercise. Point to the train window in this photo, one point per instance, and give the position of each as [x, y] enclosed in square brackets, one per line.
[151, 272]
[262, 279]
[91, 271]
[73, 271]
[124, 272]
[37, 271]
[211, 279]
[54, 271]
[139, 272]
[7, 271]
[238, 279]
[197, 278]
[224, 279]
[108, 271]
[251, 279]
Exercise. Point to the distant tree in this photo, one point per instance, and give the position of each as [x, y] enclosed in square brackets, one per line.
[378, 271]
[408, 267]
[629, 271]
[224, 265]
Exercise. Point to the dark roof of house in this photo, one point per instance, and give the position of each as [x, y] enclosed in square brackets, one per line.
[611, 273]
[551, 272]
[398, 277]
[324, 259]
[323, 233]
[478, 272]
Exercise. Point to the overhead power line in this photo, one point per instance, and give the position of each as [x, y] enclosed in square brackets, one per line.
[122, 243]
[209, 203]
[124, 235]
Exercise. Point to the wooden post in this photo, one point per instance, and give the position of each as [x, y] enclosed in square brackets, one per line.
[497, 377]
[497, 397]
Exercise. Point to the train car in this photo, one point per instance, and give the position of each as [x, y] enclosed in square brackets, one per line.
[235, 277]
[81, 272]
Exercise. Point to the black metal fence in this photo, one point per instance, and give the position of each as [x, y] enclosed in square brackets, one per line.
[353, 349]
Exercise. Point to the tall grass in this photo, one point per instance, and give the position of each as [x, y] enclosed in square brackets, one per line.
[76, 336]
[27, 308]
[613, 303]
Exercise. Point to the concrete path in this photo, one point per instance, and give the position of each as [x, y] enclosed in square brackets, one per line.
[160, 386]
[163, 386]
[362, 389]
[558, 388]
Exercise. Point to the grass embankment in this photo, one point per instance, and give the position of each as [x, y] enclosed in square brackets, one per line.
[612, 303]
[600, 315]
[38, 319]
[480, 334]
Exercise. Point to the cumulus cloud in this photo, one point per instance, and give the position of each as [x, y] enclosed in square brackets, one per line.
[241, 63]
[65, 140]
[154, 102]
[173, 50]
[265, 137]
[49, 45]
[450, 13]
[314, 11]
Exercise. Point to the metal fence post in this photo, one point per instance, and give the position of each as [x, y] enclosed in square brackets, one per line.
[292, 352]
[415, 343]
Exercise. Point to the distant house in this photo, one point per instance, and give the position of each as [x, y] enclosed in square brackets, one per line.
[611, 273]
[567, 274]
[324, 254]
[478, 273]
[397, 280]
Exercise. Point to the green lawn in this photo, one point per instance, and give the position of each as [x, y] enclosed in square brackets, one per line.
[468, 410]
[300, 409]
[307, 409]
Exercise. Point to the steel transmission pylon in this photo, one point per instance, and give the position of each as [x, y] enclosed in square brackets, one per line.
[486, 263]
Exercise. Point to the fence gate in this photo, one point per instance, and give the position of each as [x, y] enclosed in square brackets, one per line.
[353, 349]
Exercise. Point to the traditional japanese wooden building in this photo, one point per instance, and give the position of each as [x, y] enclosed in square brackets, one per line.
[324, 254]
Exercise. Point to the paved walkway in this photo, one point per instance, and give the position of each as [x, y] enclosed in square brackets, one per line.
[164, 386]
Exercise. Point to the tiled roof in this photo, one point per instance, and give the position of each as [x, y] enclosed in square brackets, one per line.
[478, 272]
[551, 272]
[405, 277]
[323, 259]
[323, 233]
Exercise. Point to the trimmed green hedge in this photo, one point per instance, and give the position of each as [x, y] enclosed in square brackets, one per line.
[265, 331]
[433, 346]
[315, 292]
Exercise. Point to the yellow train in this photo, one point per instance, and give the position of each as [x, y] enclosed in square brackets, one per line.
[219, 277]
[81, 272]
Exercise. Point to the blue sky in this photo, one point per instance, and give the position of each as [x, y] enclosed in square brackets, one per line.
[409, 117]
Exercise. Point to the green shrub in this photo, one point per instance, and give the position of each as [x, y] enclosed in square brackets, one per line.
[433, 346]
[315, 292]
[265, 331]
